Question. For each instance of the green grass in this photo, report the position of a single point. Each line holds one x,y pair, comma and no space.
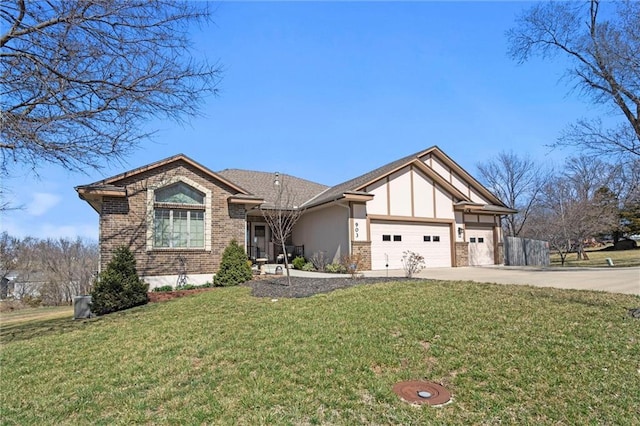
598,258
508,354
35,314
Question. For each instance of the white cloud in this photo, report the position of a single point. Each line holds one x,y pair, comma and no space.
22,229
69,231
41,203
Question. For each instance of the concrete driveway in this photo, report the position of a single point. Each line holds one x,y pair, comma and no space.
614,280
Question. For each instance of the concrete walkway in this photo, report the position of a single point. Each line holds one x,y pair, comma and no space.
614,280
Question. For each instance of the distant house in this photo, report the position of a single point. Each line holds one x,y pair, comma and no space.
176,211
20,284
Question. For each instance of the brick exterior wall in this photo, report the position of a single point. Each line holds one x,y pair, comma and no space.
124,221
363,248
462,254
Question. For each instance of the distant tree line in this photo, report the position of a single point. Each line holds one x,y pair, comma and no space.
585,198
46,271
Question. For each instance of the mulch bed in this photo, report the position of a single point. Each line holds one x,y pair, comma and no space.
163,296
277,287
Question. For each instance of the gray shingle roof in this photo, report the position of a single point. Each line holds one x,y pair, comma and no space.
261,184
356,184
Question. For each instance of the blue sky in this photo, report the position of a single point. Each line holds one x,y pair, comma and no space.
329,90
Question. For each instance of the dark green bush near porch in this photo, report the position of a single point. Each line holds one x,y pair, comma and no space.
234,268
119,286
163,288
298,262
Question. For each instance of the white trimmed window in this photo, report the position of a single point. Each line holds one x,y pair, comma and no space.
179,217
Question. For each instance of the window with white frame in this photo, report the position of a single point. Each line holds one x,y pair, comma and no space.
178,217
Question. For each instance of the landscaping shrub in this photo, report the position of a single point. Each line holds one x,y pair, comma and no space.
234,268
319,260
335,268
352,264
308,267
412,263
163,288
298,262
119,287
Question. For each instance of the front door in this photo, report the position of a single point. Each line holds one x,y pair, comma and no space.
259,240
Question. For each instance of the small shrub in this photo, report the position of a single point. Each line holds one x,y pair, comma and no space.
308,267
32,301
319,260
188,287
163,288
335,268
298,262
412,263
234,268
352,264
119,286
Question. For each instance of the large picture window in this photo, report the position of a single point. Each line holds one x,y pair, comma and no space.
179,217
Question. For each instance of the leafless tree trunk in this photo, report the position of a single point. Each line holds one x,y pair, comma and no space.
56,270
282,215
517,181
79,78
604,50
574,206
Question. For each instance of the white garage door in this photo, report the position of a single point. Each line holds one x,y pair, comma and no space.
480,246
390,239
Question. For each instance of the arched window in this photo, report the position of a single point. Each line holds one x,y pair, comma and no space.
178,217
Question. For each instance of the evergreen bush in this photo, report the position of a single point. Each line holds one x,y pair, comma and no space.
298,262
234,268
119,286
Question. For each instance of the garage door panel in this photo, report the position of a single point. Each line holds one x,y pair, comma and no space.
481,247
389,241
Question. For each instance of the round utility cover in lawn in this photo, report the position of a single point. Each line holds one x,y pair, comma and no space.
421,392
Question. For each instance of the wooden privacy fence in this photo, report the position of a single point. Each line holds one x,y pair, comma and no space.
525,252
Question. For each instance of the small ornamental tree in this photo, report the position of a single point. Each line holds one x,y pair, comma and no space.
119,286
412,263
234,268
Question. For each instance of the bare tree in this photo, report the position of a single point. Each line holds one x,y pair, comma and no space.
517,181
55,270
8,259
604,50
574,206
282,215
624,188
69,268
79,78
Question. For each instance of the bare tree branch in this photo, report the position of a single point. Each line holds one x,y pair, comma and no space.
605,57
79,79
517,181
282,215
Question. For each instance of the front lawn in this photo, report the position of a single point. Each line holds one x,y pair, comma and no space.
598,258
508,354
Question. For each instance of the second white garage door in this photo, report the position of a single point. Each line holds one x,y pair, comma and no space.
390,239
480,246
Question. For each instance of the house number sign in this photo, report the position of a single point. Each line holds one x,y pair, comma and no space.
356,230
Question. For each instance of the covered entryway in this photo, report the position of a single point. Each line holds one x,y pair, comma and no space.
481,246
390,239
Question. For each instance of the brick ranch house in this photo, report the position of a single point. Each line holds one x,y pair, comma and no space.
178,210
